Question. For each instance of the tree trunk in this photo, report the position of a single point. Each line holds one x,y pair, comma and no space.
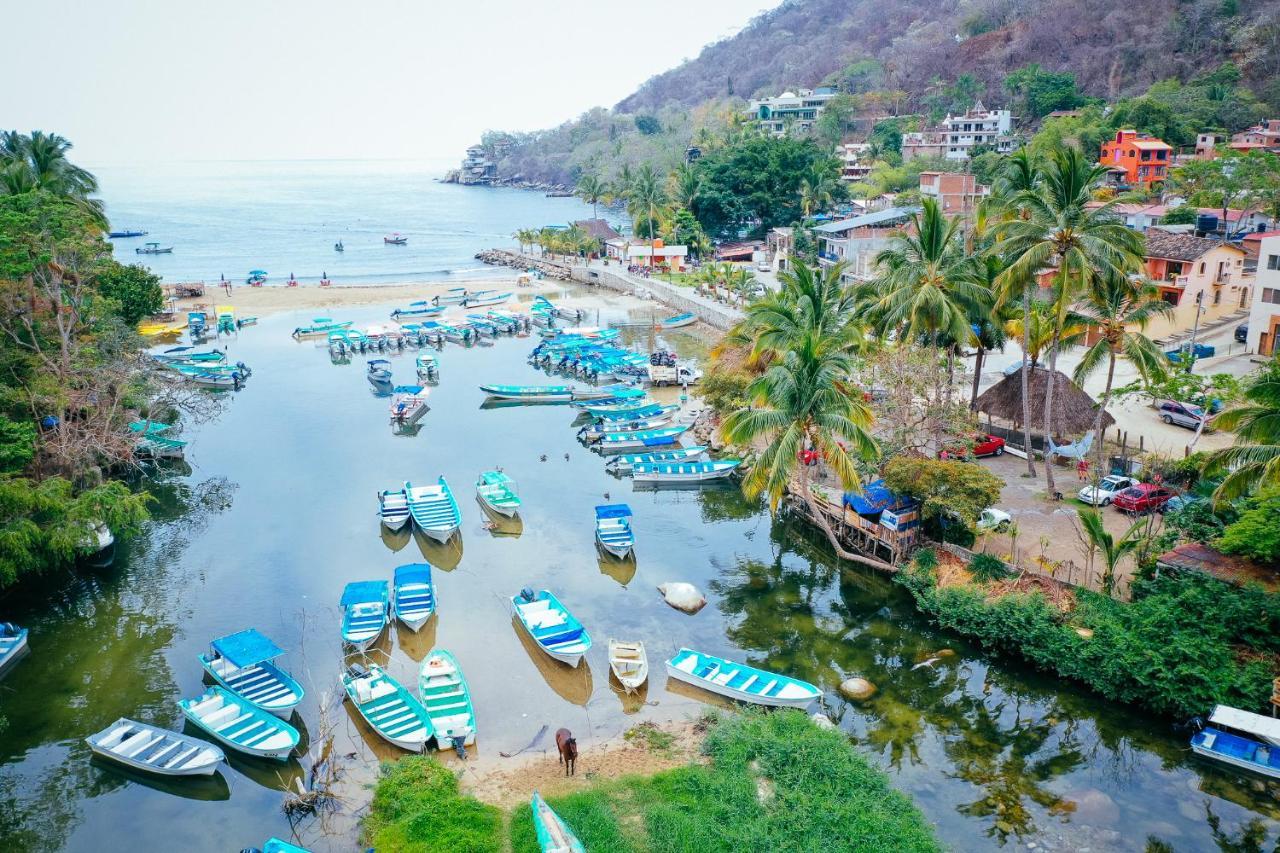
821,518
1049,483
1102,407
977,375
1026,370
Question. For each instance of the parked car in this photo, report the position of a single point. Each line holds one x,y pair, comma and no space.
1178,502
1200,351
1011,369
1242,333
1183,414
980,445
1144,497
1106,490
993,519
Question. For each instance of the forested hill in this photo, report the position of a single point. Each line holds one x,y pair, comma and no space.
1115,49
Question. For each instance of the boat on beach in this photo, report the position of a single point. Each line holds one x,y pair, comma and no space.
620,442
393,508
417,309
684,472
434,510
364,612
321,327
1242,739
241,725
13,645
486,297
386,705
154,249
554,835
452,296
678,321
613,529
408,404
445,694
629,663
556,631
739,681
243,663
415,595
155,750
497,491
623,464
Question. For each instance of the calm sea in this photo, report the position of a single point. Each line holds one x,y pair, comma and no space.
226,218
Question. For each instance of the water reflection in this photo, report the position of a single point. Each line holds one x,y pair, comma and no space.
441,555
396,539
622,571
418,644
572,684
209,788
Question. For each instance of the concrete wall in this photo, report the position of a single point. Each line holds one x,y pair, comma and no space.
680,298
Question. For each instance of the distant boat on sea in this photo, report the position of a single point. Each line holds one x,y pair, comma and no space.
338,247
395,240
122,235
154,249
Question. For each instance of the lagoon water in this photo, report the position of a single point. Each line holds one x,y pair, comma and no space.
275,511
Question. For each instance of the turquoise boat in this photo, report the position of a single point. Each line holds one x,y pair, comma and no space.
677,321
623,464
554,835
364,612
321,327
447,698
417,309
388,707
530,393
434,510
498,492
684,472
241,725
620,442
242,663
13,645
611,415
613,529
556,631
415,594
739,681
276,845
152,443
620,406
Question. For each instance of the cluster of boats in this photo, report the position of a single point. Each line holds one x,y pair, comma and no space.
208,368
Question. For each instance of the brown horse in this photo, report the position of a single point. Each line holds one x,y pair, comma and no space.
568,746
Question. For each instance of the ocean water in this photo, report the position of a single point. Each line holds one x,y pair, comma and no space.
226,218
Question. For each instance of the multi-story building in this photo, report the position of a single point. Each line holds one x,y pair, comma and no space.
926,143
978,126
1264,311
855,164
1143,159
1265,136
856,241
795,110
1195,275
957,194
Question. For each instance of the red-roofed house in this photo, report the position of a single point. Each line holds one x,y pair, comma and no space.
1195,275
1144,159
1265,136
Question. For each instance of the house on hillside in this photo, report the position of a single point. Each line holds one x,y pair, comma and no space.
1265,136
856,241
928,143
1139,217
1143,159
978,126
781,244
1264,311
1195,275
855,162
797,110
957,194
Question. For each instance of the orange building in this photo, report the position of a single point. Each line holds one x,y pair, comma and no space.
1144,159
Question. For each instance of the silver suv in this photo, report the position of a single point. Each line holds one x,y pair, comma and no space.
1182,414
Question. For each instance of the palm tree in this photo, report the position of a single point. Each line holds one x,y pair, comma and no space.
1254,460
816,190
686,185
1038,332
620,186
39,162
1059,230
988,319
1112,550
591,189
1120,309
811,300
645,197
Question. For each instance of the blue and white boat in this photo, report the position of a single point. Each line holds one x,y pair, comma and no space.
635,413
155,750
386,705
445,694
739,681
393,508
677,321
452,296
13,645
427,365
591,432
408,404
241,725
415,595
621,442
623,464
242,663
417,309
684,472
530,393
613,529
498,492
1242,739
556,631
364,612
434,510
486,297
379,370
554,835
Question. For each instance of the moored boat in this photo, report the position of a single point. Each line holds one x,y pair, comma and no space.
393,508
677,321
452,296
622,407
386,705
622,464
498,492
620,442
241,725
415,595
13,645
556,631
486,297
120,235
591,432
683,472
321,327
417,309
243,663
154,249
628,662
633,413
155,750
613,529
434,510
395,239
739,681
364,612
427,365
1241,739
445,694
277,845
554,835
408,404
379,370
530,393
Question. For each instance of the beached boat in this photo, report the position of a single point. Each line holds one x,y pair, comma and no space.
154,249
677,321
417,309
364,612
530,393
620,442
498,492
13,645
623,464
556,631
408,404
226,319
320,327
591,432
241,725
393,508
155,750
739,681
120,235
242,663
386,705
684,472
554,835
486,297
415,595
379,370
613,529
447,698
629,663
427,365
434,510
152,443
1242,739
452,296
395,240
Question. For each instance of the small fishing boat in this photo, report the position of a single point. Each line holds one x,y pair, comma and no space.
629,663
256,278
13,645
739,681
591,432
154,249
556,631
620,442
554,835
242,663
206,379
393,508
246,321
1242,739
415,595
180,355
530,393
364,612
623,464
486,297
498,492
120,235
408,404
434,510
156,750
379,370
276,845
636,413
613,529
677,321
622,407
241,725
226,319
452,296
338,247
683,472
321,327
388,707
395,240
417,309
427,365
152,443
608,392
447,698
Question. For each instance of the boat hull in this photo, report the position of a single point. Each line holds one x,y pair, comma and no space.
806,693
567,644
275,742
1227,749
16,652
204,757
444,693
389,709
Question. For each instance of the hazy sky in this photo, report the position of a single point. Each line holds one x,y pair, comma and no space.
130,80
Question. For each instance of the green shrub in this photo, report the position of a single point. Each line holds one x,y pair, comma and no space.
927,559
986,567
417,808
1256,534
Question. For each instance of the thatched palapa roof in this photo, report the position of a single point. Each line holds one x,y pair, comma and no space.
1073,414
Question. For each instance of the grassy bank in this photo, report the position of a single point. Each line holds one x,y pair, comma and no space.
773,782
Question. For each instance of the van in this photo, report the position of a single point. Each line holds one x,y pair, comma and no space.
1181,414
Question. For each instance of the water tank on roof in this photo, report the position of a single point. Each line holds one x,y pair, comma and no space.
1206,223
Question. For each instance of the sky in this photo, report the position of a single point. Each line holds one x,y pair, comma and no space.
136,81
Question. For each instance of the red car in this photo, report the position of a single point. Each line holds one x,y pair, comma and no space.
982,445
1144,497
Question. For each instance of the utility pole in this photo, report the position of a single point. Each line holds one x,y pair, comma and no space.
1195,329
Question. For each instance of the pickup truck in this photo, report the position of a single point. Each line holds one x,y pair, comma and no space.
660,375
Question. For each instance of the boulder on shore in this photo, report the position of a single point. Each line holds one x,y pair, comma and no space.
822,721
857,688
683,596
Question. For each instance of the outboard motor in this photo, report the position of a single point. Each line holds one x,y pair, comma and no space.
527,595
460,747
357,670
8,629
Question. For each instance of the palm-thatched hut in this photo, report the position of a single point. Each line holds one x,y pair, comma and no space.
1074,411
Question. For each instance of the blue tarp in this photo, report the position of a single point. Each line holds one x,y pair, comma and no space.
875,498
245,648
413,573
613,511
363,592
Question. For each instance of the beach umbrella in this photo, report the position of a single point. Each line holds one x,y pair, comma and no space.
257,272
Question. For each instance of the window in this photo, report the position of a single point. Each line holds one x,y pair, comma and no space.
1202,268
1273,262
1217,296
1271,295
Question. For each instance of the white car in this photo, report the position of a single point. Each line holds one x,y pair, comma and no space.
993,519
1106,490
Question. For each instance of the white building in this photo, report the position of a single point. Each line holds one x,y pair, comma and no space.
978,126
1264,311
855,165
798,110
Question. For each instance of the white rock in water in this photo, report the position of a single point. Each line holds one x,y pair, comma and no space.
683,596
822,721
857,688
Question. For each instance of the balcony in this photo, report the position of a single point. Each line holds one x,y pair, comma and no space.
832,257
1223,278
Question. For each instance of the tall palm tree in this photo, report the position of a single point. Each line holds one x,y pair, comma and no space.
620,186
810,300
645,198
592,189
1060,230
816,190
686,185
1120,309
38,161
1254,460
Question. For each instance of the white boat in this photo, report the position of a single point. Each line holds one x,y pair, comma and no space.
613,529
623,464
447,698
364,612
683,472
739,681
556,631
428,365
13,645
677,321
434,510
241,725
643,440
243,663
498,492
452,296
393,508
629,663
1241,739
408,404
415,595
485,297
156,750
